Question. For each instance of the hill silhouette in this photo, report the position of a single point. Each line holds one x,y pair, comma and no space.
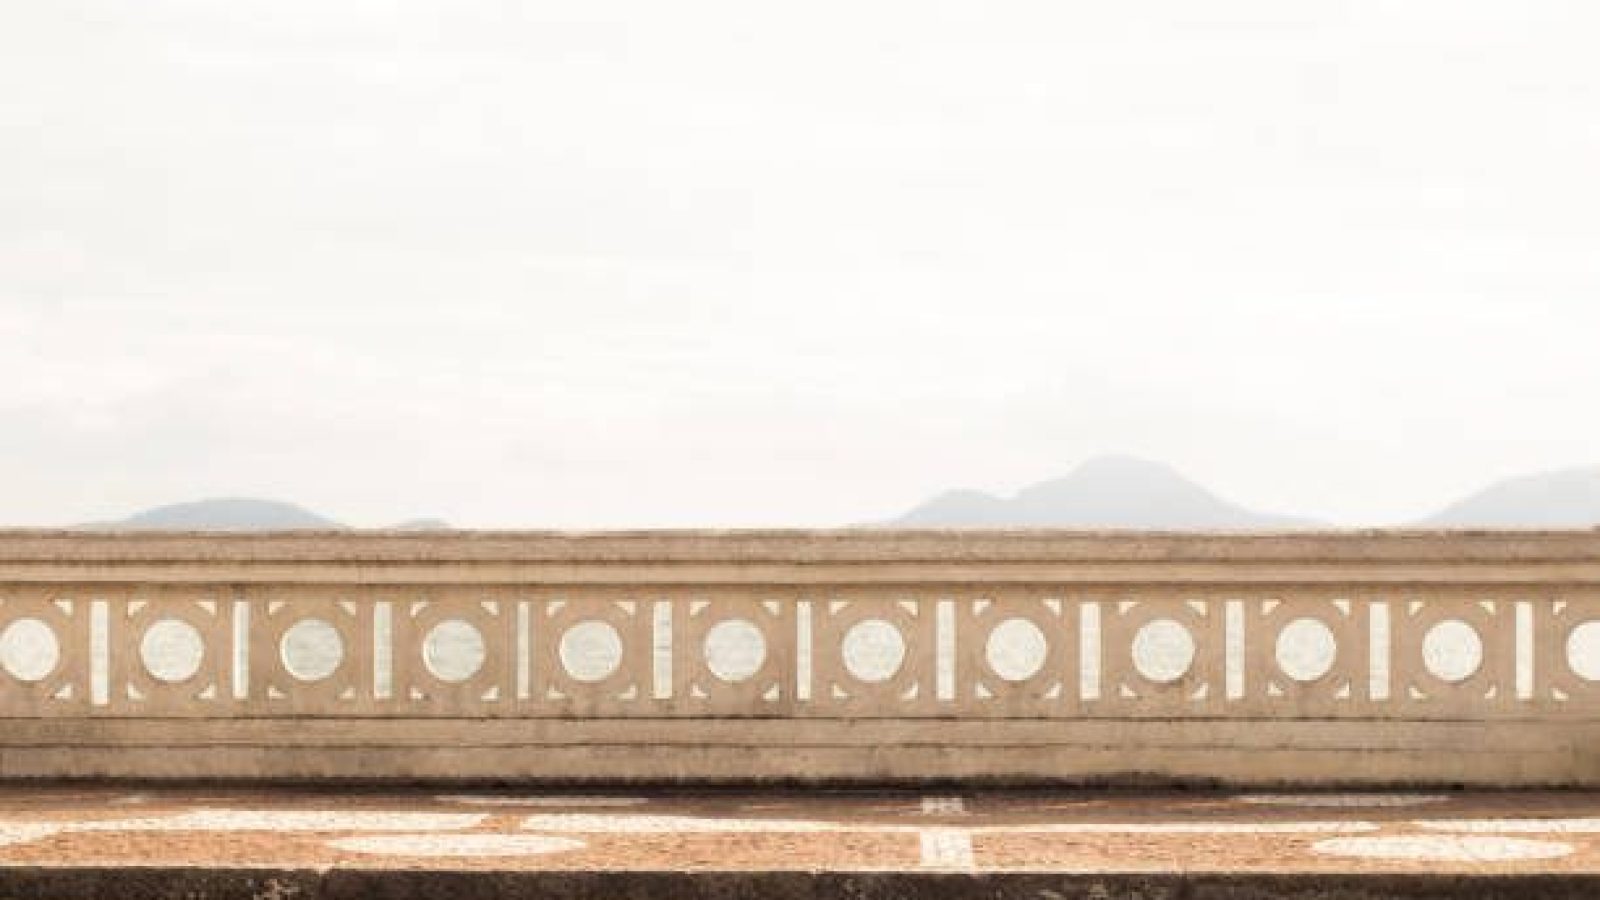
1105,492
241,514
223,514
1565,498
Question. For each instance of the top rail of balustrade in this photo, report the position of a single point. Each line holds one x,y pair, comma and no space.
804,556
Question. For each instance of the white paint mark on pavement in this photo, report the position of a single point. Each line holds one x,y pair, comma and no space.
599,823
23,832
288,820
1514,826
946,848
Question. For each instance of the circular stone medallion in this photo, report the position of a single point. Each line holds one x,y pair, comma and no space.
735,650
29,650
1016,649
311,650
1452,651
1306,650
1583,651
591,651
1163,650
172,650
873,650
453,651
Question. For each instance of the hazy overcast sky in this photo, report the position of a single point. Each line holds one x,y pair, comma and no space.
742,263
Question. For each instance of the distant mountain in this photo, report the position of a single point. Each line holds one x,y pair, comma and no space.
1106,492
421,525
1568,498
243,514
224,514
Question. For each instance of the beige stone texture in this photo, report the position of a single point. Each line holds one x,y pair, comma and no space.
866,655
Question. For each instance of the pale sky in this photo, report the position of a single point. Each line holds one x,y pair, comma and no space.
601,264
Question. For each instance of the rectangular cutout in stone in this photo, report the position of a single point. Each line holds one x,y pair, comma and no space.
1089,651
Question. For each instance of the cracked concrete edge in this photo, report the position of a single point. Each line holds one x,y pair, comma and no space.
167,883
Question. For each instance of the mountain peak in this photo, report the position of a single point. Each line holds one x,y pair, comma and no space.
226,514
1113,491
426,524
243,514
1563,498
1127,473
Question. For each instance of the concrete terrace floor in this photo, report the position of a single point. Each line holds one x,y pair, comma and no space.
130,841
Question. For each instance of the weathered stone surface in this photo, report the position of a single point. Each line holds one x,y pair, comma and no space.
1365,658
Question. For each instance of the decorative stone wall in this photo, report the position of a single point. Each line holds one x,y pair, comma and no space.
1296,658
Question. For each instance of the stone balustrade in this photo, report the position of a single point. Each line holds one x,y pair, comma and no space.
1315,658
